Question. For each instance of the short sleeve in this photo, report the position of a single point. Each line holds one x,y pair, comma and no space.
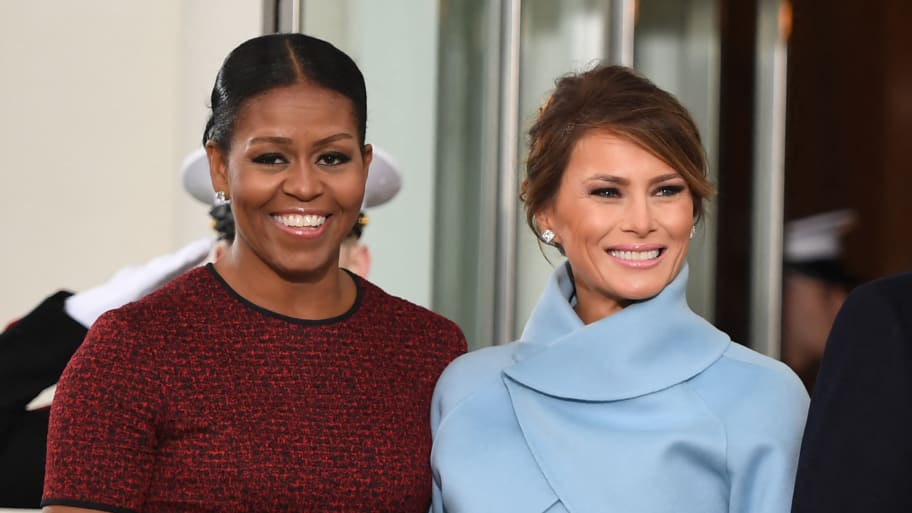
102,433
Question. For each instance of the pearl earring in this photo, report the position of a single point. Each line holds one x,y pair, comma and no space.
547,236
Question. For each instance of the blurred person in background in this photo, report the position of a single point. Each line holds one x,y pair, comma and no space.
815,284
383,183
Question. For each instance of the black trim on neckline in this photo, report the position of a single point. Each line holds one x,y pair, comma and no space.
359,296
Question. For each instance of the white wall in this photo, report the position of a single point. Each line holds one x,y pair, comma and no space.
99,102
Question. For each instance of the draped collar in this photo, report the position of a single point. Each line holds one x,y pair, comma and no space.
646,347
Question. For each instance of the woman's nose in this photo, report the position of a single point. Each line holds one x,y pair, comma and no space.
302,181
638,217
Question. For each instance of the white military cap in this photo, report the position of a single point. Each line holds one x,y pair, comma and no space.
383,178
818,237
195,176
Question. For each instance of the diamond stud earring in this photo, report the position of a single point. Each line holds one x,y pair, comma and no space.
547,236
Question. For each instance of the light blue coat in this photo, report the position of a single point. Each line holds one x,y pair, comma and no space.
648,410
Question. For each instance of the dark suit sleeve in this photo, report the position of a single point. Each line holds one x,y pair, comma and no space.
856,455
34,350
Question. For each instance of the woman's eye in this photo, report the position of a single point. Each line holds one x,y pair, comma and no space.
333,159
272,159
607,192
669,190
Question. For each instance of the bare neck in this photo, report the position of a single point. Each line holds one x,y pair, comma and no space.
322,294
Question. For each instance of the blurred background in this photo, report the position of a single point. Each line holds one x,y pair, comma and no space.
804,106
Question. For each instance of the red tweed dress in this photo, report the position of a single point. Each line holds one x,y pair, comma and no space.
194,399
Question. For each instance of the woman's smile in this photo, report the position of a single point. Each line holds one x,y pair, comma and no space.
303,226
637,256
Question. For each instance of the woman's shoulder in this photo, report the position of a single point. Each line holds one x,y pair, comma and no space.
743,369
193,287
759,365
747,389
163,310
471,373
406,314
486,361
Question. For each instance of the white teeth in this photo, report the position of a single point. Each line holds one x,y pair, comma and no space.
635,255
300,221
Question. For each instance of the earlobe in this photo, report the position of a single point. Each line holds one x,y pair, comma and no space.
543,224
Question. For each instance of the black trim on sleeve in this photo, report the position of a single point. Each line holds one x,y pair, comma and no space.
85,504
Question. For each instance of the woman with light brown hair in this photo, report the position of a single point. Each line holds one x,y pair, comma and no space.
617,397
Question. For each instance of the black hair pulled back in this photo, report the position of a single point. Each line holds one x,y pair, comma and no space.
267,62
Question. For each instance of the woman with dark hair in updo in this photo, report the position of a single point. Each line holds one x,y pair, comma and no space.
617,397
271,380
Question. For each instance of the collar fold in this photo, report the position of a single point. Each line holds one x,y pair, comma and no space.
645,347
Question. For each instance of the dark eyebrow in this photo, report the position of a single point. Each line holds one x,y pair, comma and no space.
287,140
269,139
665,178
623,181
610,178
333,138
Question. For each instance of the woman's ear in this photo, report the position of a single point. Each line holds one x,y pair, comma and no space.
543,222
218,167
368,156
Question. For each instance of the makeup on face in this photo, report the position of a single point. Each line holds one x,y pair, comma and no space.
623,217
296,176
